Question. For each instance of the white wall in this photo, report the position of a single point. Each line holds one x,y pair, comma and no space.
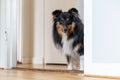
37,31
80,6
26,27
32,31
106,31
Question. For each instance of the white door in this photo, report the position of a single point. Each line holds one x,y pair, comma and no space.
52,55
102,37
8,33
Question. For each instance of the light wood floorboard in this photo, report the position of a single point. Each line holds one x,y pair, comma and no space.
42,75
40,66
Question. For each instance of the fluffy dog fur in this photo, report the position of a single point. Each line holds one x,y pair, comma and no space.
68,35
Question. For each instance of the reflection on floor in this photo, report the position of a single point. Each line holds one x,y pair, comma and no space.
42,75
40,66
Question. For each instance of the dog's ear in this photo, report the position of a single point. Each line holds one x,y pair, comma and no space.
74,12
56,13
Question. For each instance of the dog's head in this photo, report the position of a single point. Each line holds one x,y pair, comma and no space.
65,21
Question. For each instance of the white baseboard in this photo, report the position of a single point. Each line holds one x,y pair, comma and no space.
37,60
30,60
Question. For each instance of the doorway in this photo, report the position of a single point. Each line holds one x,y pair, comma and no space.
35,46
32,36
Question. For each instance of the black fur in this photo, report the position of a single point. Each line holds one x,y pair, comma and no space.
78,32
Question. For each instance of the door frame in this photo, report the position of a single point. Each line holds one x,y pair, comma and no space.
8,34
108,69
19,32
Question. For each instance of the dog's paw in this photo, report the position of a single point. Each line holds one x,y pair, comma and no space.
70,67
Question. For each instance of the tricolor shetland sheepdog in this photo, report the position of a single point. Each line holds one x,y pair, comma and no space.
68,35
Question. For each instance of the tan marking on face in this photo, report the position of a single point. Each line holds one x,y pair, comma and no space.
60,29
70,28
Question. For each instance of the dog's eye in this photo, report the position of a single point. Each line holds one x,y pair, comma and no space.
62,19
67,19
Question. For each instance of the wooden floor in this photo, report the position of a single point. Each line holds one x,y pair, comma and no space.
40,66
42,75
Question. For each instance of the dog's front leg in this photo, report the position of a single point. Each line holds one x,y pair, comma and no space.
69,60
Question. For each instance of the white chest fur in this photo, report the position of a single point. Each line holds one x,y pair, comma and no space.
67,49
67,45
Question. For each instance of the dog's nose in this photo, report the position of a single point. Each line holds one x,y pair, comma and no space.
65,30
